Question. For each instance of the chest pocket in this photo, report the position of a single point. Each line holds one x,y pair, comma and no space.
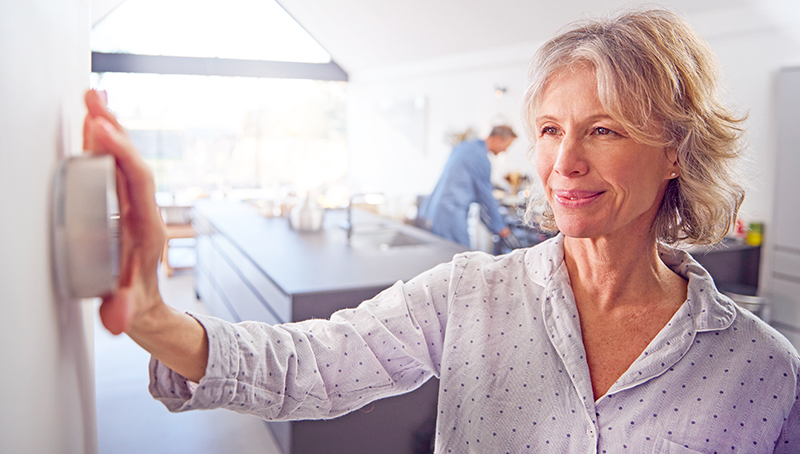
664,446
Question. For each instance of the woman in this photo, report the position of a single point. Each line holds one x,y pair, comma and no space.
603,339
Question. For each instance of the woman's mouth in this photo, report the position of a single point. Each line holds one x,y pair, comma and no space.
575,198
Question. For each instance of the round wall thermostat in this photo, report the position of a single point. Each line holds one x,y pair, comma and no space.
85,226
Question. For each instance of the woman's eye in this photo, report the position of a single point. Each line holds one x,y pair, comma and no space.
601,131
549,131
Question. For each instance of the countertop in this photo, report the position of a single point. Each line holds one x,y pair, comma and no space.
302,263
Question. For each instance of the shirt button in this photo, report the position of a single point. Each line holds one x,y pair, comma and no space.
590,432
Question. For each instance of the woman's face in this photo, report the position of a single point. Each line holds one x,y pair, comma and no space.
597,179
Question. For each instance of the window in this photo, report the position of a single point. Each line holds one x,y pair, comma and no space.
209,134
233,29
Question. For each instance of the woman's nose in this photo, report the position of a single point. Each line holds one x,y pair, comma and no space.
570,161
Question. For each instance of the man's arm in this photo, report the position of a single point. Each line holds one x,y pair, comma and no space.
480,171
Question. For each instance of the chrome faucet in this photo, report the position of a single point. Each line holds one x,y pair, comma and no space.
348,224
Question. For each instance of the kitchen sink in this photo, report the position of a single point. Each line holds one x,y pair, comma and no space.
383,239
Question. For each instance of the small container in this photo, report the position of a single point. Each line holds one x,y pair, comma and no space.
307,216
755,234
741,231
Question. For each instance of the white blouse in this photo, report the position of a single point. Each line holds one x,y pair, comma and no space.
503,335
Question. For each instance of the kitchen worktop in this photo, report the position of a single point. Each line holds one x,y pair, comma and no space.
322,261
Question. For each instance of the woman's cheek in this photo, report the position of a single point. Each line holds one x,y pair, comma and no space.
543,164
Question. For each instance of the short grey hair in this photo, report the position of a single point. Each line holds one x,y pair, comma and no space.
657,77
503,131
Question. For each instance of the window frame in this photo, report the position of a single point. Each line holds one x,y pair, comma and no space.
157,64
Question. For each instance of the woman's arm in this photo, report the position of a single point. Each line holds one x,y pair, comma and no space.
319,369
174,338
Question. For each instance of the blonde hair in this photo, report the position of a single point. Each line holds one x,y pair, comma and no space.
658,78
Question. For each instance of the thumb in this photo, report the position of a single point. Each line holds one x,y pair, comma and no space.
116,312
118,309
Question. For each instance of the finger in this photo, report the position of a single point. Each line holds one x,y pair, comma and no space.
118,309
112,141
88,140
141,223
96,103
137,177
103,133
126,236
122,194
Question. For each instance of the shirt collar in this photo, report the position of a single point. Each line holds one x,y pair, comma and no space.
710,310
542,260
705,309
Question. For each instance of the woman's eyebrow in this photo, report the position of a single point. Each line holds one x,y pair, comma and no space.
543,119
590,118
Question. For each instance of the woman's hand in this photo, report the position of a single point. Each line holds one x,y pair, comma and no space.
141,228
136,307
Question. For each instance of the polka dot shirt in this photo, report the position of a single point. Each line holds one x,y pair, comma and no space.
503,335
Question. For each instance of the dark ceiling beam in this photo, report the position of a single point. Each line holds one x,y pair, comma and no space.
156,64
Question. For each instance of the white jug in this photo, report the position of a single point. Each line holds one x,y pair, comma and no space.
307,216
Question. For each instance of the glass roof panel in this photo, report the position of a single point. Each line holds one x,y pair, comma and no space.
237,29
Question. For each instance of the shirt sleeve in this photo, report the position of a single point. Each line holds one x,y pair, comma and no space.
480,168
789,439
318,369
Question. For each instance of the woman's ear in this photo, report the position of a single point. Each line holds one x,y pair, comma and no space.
673,169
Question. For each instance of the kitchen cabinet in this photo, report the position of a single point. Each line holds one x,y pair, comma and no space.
734,265
784,266
251,267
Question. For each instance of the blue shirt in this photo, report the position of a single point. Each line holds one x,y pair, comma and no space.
465,179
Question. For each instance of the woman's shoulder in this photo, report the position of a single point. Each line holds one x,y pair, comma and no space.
536,261
517,256
763,339
479,261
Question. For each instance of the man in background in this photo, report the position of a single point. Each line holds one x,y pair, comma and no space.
466,180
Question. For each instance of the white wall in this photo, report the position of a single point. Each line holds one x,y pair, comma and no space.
460,93
752,43
47,384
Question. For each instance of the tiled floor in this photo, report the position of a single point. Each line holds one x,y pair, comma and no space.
129,421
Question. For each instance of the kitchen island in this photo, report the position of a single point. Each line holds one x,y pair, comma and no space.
251,267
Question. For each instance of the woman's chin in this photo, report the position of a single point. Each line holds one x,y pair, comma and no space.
573,229
578,233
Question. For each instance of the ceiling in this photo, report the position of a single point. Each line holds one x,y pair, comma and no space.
369,34
363,34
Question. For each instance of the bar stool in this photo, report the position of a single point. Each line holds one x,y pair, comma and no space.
177,225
